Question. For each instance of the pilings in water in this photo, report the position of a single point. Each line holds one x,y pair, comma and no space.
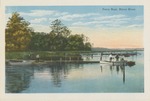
125,53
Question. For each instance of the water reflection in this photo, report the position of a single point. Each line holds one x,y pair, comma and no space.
18,79
58,72
118,69
63,77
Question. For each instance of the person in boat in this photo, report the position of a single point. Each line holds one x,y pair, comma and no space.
122,58
117,57
110,57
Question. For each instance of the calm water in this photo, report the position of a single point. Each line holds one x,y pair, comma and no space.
77,78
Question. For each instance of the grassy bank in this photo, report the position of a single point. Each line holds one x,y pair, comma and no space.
44,55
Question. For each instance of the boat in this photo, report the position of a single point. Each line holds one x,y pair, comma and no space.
20,62
130,63
114,62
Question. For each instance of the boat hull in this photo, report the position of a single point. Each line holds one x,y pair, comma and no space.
114,62
11,63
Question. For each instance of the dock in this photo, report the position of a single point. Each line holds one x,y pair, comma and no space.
47,62
73,61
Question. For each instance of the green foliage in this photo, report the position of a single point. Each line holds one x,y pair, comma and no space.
59,29
17,33
59,39
75,42
20,37
39,41
60,34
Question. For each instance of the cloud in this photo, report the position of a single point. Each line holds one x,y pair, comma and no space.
79,19
82,19
40,28
38,13
80,23
61,13
41,13
109,17
113,19
70,17
105,21
138,18
38,20
135,26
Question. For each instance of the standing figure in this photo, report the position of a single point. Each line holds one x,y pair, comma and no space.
101,54
117,57
122,58
38,57
110,57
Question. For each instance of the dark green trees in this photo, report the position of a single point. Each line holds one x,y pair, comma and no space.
39,41
20,37
63,40
75,42
59,34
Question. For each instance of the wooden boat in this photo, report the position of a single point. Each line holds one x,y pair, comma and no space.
130,63
113,62
23,62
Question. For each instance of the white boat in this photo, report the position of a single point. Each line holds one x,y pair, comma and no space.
113,62
105,62
20,62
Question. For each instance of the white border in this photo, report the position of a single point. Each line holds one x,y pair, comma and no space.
77,96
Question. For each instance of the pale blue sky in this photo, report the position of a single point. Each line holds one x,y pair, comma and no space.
89,20
81,15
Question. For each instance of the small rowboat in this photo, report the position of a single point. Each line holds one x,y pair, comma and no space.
113,62
23,62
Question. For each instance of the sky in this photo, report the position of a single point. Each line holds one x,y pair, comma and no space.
105,26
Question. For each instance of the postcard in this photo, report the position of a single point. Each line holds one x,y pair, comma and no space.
65,51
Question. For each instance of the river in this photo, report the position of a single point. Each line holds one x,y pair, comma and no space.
77,78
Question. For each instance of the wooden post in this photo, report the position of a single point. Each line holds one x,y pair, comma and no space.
101,56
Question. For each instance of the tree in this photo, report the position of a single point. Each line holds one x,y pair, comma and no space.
18,33
39,41
61,38
20,37
59,29
75,42
78,42
60,33
87,46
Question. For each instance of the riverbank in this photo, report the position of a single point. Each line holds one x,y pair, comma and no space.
51,57
10,63
43,55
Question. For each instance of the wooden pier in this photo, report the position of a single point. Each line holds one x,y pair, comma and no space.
47,62
74,61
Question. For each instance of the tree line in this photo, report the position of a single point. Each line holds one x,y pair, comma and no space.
20,37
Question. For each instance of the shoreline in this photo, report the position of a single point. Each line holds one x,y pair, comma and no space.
35,62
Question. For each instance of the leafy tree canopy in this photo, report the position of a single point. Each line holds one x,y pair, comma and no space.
18,33
20,37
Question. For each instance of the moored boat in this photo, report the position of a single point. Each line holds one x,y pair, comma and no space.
21,62
113,62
